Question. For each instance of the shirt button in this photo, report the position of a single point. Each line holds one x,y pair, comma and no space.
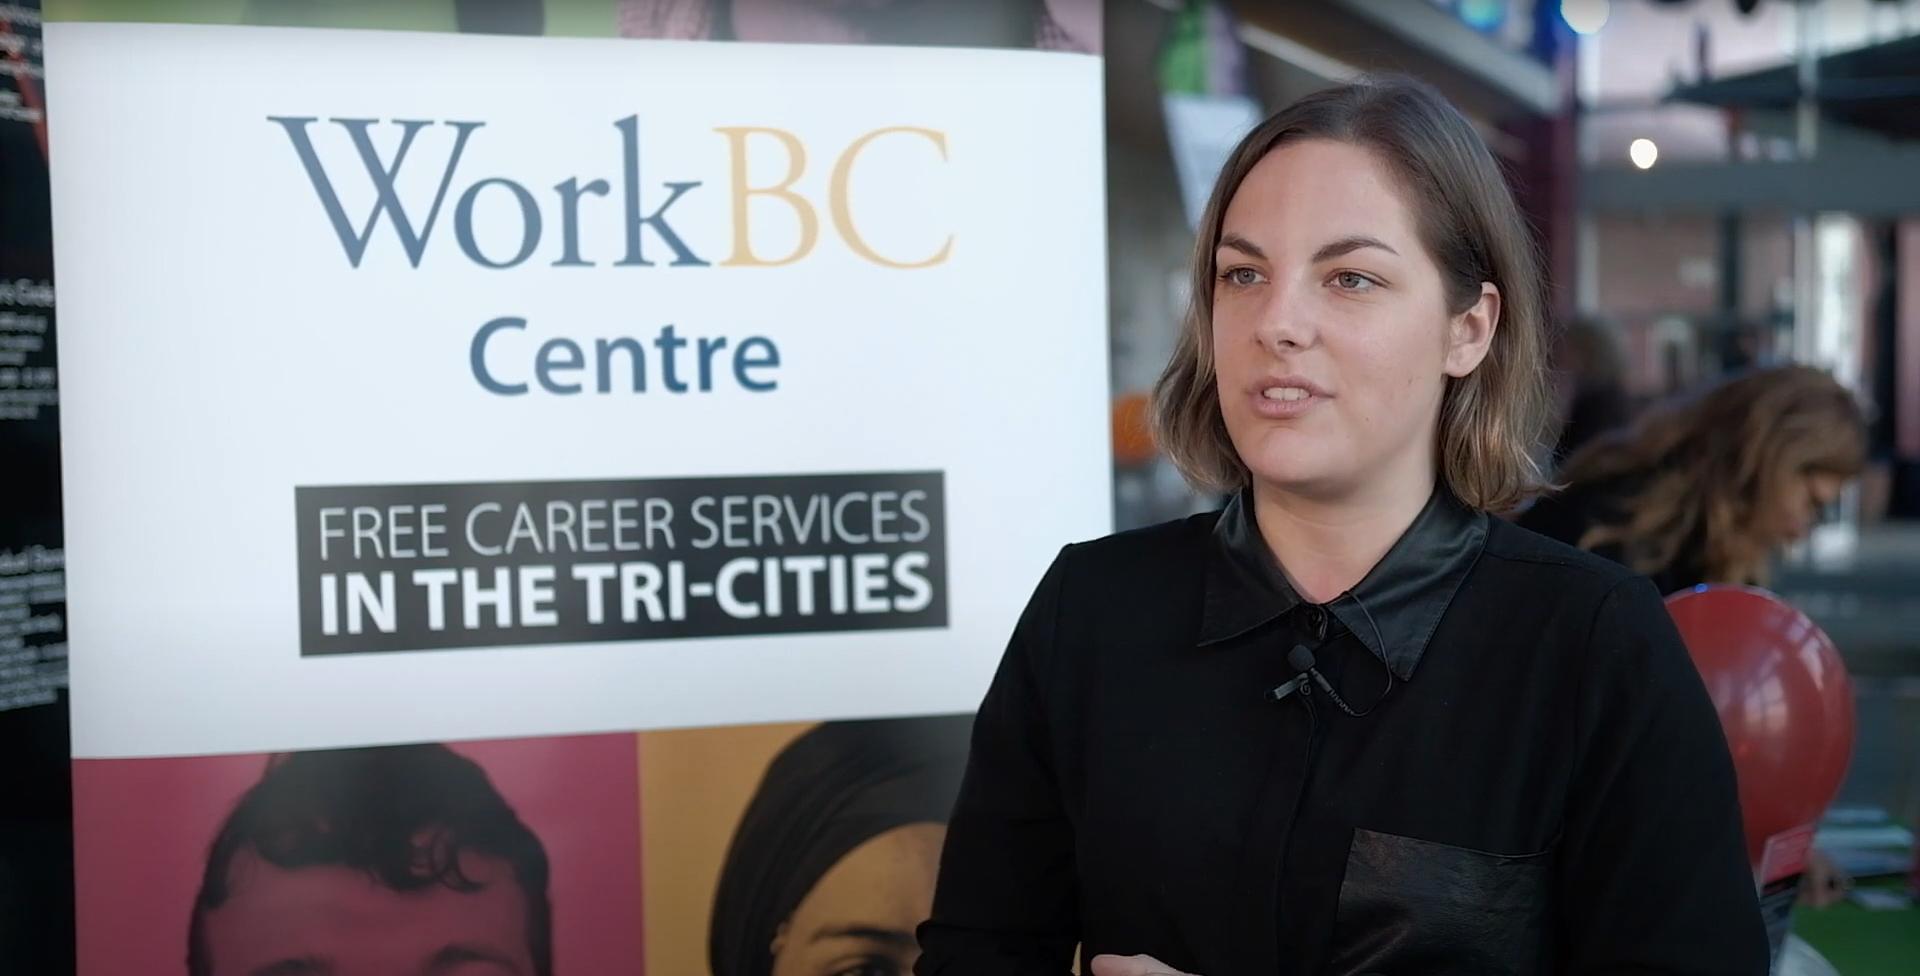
1317,621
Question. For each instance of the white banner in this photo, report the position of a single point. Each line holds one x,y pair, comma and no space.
430,387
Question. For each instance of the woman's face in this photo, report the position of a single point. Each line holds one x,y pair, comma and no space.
860,917
1332,340
1797,501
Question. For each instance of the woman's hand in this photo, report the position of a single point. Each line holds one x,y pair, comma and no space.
1133,966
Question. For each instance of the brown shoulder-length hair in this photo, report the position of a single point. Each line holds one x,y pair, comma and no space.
1704,470
1492,420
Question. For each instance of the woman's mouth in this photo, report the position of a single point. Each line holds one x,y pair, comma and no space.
1286,398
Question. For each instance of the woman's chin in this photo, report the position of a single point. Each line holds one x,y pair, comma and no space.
1279,452
1295,476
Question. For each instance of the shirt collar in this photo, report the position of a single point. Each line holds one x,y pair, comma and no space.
1393,611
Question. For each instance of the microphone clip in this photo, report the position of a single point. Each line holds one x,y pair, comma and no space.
1301,658
1280,692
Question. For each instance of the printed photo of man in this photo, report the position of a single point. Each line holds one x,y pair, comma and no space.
386,861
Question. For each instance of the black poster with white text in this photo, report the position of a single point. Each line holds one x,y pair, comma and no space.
418,567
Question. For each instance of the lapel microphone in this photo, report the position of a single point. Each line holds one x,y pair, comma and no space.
1301,659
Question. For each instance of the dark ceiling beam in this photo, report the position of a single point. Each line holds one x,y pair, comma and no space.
1388,36
1869,184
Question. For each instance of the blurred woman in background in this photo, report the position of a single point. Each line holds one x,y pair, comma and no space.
1707,490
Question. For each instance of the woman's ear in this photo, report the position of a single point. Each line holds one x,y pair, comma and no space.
1470,333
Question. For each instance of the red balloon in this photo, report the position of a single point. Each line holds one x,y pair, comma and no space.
1784,699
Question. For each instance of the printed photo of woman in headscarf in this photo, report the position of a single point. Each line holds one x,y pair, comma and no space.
830,867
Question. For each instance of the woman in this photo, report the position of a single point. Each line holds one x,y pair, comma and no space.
833,863
1351,723
1706,490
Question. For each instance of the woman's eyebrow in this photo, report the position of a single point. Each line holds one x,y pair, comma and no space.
1243,245
1348,245
1327,252
892,938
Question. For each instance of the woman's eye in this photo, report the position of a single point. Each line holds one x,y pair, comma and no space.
1353,281
1241,277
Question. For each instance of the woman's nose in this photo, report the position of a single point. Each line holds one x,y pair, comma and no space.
1286,322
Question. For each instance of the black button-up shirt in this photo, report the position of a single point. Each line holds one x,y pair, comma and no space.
1535,780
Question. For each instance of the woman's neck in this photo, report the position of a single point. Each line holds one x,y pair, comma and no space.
1326,546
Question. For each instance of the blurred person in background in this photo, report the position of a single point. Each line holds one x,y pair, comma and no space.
1591,372
1708,489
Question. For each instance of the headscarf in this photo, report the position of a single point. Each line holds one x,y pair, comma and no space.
833,789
